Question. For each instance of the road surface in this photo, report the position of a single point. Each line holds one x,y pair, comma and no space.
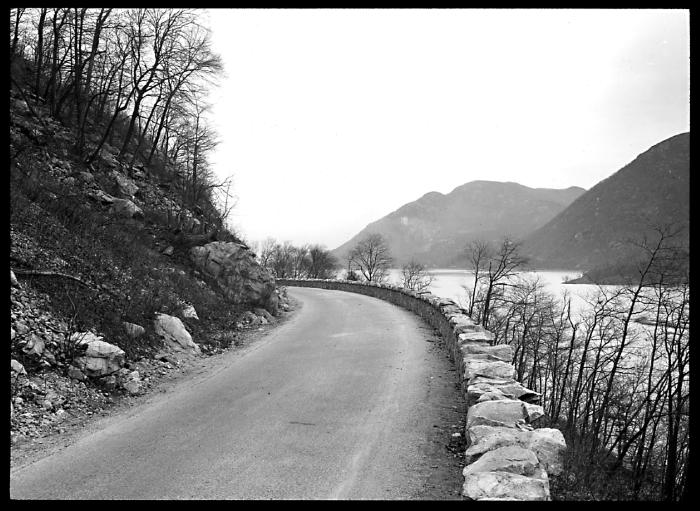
352,398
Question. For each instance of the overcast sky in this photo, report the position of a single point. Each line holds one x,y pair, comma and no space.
331,119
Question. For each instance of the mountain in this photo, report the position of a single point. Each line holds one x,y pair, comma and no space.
435,228
593,231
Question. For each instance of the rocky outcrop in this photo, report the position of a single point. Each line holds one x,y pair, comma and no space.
174,334
233,268
507,457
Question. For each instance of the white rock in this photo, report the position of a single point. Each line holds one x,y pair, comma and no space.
509,458
17,367
504,412
174,333
504,485
99,358
35,345
548,444
488,368
188,311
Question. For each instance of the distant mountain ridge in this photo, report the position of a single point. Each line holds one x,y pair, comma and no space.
593,231
435,228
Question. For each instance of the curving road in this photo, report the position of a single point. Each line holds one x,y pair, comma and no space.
346,400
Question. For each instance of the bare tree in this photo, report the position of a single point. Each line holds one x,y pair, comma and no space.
492,271
478,252
372,258
415,277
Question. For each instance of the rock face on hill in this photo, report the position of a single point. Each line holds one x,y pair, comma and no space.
593,231
435,228
233,268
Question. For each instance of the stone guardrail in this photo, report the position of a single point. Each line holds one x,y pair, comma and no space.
507,458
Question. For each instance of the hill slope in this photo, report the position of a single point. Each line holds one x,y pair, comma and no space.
593,231
435,228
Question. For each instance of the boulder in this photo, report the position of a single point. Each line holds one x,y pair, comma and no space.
13,279
504,486
17,367
188,311
546,443
234,269
503,412
99,358
508,458
169,250
488,368
509,389
126,209
549,446
502,352
174,333
35,345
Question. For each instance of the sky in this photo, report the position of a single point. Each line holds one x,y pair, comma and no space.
329,119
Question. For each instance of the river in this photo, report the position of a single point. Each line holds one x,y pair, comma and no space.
448,283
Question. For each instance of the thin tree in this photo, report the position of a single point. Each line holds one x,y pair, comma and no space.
371,256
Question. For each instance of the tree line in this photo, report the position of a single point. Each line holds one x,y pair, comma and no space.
130,82
288,261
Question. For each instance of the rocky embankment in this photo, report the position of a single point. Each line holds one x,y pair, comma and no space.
65,389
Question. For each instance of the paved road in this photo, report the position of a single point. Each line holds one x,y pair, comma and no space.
340,402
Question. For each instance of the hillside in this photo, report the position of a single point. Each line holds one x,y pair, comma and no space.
122,268
435,228
592,232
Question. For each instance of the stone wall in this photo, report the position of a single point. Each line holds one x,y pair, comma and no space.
507,456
